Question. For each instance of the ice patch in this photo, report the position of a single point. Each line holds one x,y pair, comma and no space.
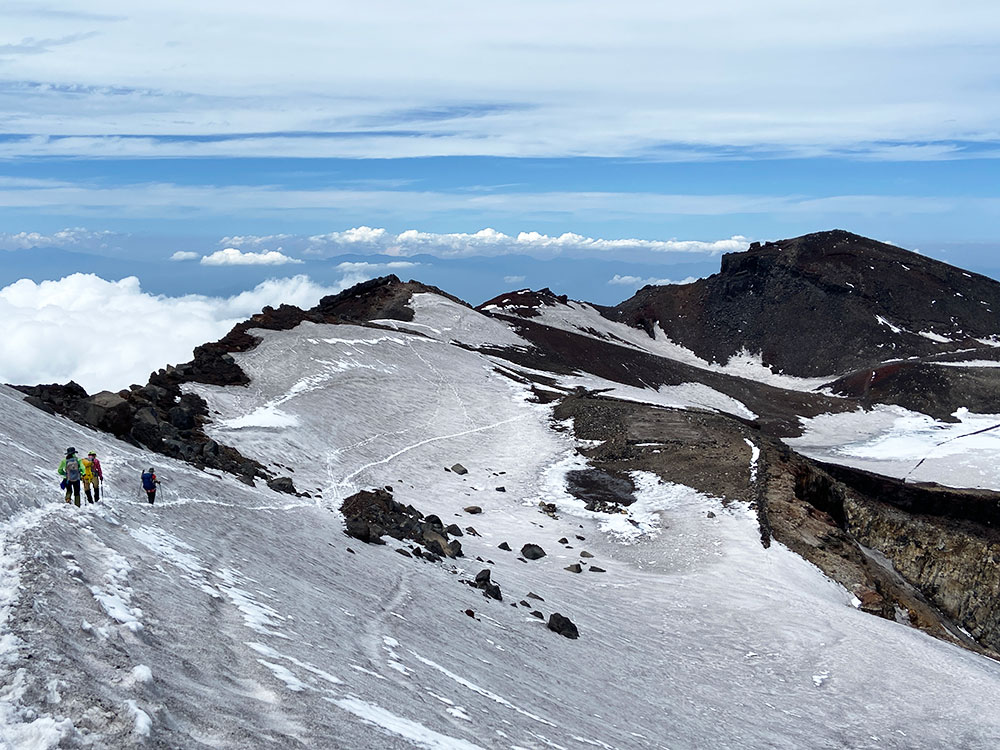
937,337
143,724
684,396
754,456
284,674
265,416
883,322
413,731
481,691
653,497
970,363
900,443
142,673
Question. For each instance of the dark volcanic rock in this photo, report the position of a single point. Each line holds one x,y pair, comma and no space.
562,625
459,469
600,490
490,589
532,552
822,304
282,484
370,514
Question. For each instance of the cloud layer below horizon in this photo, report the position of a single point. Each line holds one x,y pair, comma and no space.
106,335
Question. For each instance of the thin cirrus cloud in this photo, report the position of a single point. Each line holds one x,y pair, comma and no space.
588,83
231,256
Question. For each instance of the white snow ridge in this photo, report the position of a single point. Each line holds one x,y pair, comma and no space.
229,615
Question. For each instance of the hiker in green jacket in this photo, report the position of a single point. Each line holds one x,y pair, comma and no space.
71,471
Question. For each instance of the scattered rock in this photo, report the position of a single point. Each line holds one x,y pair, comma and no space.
524,603
370,515
471,531
459,469
454,530
595,569
564,540
548,509
472,509
533,595
403,552
584,553
282,484
711,514
532,552
574,568
490,589
536,613
470,613
581,538
563,626
504,546
871,601
501,489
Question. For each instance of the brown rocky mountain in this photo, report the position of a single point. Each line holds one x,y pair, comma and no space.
827,303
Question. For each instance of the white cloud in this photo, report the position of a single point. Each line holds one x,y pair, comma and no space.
106,335
184,255
638,281
230,256
355,273
167,200
76,236
513,279
487,241
531,81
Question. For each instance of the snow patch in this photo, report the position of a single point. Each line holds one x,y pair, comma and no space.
900,443
411,730
143,723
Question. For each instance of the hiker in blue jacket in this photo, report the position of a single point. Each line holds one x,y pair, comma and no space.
71,472
149,482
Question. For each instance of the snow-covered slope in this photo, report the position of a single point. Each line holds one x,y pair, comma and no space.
229,616
897,442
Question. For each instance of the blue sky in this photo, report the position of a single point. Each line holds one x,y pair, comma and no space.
605,145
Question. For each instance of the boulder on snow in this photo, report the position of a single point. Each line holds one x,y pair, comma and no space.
574,568
472,509
459,469
490,589
370,514
532,552
107,411
282,484
562,625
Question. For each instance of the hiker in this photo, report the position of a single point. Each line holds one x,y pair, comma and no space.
149,482
92,477
71,472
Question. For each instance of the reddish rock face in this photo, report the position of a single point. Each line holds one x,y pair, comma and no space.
822,304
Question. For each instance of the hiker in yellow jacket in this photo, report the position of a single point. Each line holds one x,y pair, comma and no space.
92,477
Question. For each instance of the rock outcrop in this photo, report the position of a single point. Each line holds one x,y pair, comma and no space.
822,304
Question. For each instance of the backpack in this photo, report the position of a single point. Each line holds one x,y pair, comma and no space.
148,481
72,469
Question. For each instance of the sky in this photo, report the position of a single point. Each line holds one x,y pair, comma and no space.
244,153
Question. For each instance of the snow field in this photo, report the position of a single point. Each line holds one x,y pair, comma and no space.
264,625
896,442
